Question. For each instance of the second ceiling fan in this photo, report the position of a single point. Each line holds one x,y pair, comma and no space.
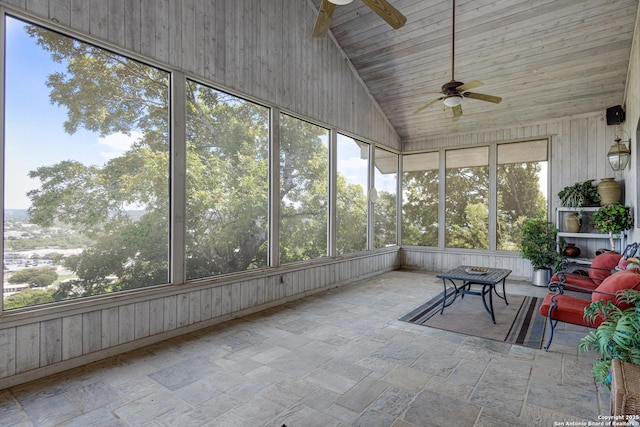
384,10
454,91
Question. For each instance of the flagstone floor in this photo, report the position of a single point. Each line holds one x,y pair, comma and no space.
338,358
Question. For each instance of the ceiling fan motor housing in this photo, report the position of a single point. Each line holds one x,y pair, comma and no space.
451,88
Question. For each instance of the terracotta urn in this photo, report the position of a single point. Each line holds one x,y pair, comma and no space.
571,250
609,191
572,222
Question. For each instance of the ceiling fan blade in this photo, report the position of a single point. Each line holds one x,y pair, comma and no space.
457,110
471,85
323,21
386,12
428,105
483,97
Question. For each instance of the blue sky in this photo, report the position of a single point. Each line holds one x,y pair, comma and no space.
34,128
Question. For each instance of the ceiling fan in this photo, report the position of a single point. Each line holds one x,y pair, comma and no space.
381,7
454,91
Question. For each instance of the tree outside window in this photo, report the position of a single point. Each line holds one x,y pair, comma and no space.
467,198
420,197
386,184
351,211
522,172
87,178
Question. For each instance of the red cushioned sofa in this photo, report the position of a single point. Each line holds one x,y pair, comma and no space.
601,267
560,307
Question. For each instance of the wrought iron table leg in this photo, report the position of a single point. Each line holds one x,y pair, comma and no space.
489,308
445,296
504,293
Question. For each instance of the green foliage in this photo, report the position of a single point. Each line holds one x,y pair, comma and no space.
474,234
29,297
59,241
467,217
579,194
36,277
539,242
420,208
519,197
227,178
466,209
385,220
612,218
618,336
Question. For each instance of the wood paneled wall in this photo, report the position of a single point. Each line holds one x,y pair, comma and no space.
33,346
632,126
262,50
246,46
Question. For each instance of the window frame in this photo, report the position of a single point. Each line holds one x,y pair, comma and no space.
177,176
492,193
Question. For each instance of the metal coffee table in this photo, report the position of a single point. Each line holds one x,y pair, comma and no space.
488,278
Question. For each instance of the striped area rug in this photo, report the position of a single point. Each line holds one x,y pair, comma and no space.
517,323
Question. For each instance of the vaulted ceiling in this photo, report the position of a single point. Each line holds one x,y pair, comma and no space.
544,58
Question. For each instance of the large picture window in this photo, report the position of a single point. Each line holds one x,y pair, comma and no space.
304,189
227,183
420,180
351,211
467,198
86,178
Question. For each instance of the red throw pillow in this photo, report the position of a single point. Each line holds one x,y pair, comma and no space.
619,281
603,264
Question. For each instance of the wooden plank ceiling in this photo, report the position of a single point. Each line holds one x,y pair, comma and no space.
545,58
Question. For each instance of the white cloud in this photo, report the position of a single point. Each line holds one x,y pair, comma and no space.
118,144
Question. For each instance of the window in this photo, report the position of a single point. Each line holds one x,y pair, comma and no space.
351,212
420,180
467,198
86,194
304,189
385,208
227,183
522,172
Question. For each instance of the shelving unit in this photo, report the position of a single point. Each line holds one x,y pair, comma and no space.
588,239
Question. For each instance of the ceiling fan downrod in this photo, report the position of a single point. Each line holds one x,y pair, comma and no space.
453,39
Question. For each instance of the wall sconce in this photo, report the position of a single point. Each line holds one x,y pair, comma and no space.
619,153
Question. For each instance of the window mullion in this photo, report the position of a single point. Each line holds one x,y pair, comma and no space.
178,177
274,187
493,197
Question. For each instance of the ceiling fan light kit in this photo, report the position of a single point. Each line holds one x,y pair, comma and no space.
454,92
340,2
453,100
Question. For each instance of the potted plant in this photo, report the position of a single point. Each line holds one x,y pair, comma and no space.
539,246
618,336
579,194
612,219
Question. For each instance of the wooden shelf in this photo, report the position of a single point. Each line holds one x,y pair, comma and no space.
590,234
585,235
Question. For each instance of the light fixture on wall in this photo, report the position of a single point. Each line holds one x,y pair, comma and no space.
340,2
619,153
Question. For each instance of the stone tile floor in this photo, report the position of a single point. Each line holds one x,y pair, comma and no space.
338,358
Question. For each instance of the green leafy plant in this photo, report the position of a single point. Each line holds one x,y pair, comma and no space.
539,243
579,194
618,336
612,219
